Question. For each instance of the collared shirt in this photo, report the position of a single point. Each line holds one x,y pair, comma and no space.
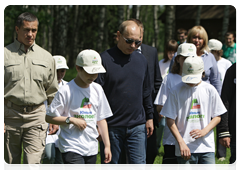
30,77
229,52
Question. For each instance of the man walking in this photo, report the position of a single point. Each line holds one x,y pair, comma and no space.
29,79
126,84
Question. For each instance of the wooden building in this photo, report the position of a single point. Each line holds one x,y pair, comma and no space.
211,18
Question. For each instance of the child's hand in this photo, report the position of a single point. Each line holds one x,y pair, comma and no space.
108,155
80,123
185,151
197,133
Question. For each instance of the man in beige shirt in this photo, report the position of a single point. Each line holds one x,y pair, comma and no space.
29,79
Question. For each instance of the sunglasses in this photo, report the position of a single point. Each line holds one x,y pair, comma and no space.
130,41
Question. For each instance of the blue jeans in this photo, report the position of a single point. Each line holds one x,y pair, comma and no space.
159,131
198,158
132,139
52,155
233,151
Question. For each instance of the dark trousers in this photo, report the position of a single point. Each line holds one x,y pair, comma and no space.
152,150
74,158
169,155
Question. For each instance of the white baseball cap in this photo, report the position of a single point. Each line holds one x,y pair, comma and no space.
60,62
187,49
91,62
192,70
214,44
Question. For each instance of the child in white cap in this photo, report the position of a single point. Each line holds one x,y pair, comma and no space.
172,79
223,64
78,107
61,67
52,154
193,109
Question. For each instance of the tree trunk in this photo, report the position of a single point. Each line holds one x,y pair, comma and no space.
170,22
50,29
55,29
128,12
62,30
225,22
138,12
135,11
156,30
120,14
74,37
198,18
101,28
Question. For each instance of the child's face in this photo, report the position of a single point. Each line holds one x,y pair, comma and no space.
60,74
170,54
86,78
215,54
180,60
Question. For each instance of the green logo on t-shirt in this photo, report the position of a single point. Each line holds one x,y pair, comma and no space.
86,103
195,112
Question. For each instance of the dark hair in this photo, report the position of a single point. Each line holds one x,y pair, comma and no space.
181,30
176,66
229,33
26,16
171,45
219,52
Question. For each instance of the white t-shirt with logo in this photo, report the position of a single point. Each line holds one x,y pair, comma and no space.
88,103
164,67
54,138
223,65
193,108
169,82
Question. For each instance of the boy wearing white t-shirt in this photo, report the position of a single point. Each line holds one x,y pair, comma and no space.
193,109
78,108
52,154
223,64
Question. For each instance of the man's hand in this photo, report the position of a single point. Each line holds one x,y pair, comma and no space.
225,142
53,129
150,128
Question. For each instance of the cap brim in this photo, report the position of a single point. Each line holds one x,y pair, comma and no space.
62,67
95,69
187,54
192,79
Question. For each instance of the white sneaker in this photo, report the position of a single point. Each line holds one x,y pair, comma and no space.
222,159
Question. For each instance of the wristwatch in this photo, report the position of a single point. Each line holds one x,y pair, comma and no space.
68,120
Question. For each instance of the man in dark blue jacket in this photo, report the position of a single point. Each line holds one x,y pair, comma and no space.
126,84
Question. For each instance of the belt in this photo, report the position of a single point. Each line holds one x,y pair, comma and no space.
21,108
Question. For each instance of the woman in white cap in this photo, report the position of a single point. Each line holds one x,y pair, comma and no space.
52,153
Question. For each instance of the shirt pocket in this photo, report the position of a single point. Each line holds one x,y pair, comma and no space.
39,70
13,71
